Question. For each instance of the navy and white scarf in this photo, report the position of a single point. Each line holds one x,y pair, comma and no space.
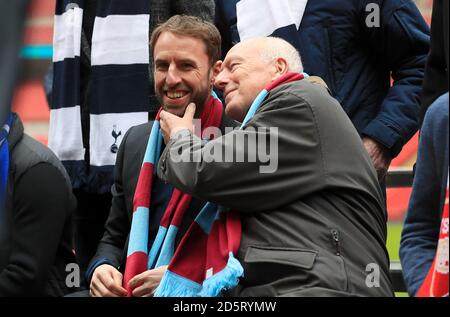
118,93
4,159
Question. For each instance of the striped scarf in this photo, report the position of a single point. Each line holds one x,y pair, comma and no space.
4,159
204,263
139,259
115,102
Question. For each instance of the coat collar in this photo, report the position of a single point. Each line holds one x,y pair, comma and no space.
16,133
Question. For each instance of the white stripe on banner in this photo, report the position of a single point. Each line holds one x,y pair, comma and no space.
64,136
107,131
262,17
121,40
67,34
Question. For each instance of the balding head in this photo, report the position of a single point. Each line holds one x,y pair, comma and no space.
250,66
272,48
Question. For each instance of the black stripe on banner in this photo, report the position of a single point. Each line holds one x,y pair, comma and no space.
119,89
63,5
100,179
66,83
109,7
77,171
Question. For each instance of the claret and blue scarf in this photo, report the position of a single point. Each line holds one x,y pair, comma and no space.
204,263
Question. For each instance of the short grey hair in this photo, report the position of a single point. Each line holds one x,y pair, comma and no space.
274,47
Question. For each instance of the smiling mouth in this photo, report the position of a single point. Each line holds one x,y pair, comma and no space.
176,94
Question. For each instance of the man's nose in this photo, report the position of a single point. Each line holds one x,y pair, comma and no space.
173,77
221,80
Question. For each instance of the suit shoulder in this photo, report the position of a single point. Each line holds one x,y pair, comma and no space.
140,129
138,132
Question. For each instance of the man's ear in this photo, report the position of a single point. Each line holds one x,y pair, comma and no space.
215,71
281,67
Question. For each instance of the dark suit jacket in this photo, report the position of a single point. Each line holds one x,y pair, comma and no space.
112,248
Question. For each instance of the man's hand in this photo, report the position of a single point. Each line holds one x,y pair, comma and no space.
144,284
380,156
107,282
171,124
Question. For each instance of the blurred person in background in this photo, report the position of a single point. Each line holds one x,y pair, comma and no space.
35,222
424,244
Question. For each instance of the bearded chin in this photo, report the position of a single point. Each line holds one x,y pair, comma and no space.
177,112
198,100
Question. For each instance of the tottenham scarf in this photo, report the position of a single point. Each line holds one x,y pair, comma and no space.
204,262
118,92
4,159
437,280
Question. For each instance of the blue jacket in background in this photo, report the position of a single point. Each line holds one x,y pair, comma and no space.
357,61
423,221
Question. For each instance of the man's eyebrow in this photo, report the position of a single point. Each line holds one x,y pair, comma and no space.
187,60
160,61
